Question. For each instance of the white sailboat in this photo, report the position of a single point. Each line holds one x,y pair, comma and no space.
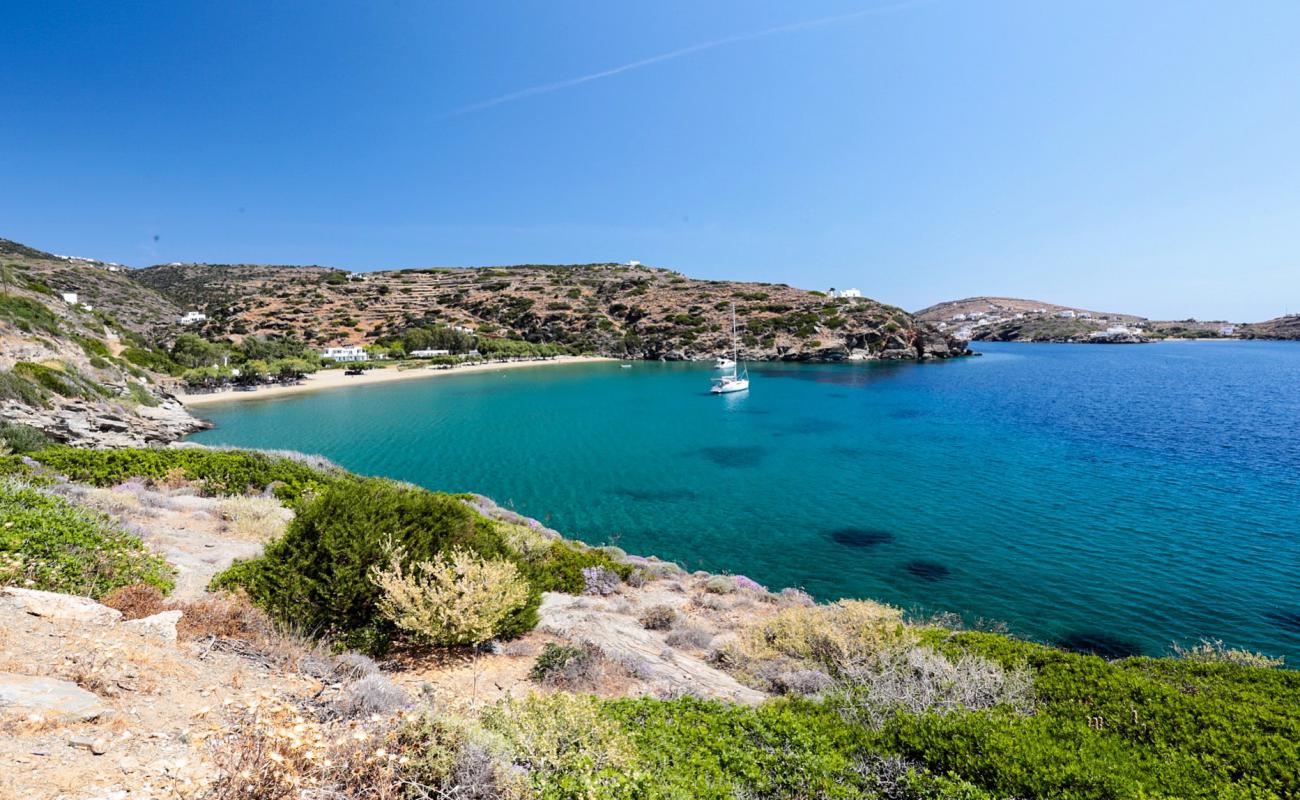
736,381
723,363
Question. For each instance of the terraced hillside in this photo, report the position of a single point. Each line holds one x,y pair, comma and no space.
1009,319
612,309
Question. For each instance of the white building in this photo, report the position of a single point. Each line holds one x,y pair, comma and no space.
192,318
69,297
634,263
345,354
850,293
1067,314
1117,330
1227,330
1085,315
429,353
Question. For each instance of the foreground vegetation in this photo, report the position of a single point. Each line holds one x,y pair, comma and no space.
868,705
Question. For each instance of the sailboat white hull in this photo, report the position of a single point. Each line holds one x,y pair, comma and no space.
723,363
727,386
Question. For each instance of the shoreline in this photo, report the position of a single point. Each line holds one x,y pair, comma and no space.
335,379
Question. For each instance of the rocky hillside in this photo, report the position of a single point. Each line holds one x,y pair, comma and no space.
611,309
1287,327
1008,319
104,287
66,368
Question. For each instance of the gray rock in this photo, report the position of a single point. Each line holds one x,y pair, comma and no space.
60,606
161,625
61,700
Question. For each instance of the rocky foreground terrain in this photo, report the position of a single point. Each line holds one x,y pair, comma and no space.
98,704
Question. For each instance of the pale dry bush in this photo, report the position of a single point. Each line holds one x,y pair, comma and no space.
270,750
111,501
831,638
455,758
1214,651
254,519
918,680
458,600
530,543
370,695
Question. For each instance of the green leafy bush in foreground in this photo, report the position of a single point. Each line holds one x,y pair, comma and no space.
47,543
320,573
20,438
221,472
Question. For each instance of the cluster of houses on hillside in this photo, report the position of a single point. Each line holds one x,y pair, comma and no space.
847,294
964,325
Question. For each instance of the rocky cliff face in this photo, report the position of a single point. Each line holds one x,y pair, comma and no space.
65,366
611,309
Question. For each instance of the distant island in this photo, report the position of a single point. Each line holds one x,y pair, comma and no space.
1009,319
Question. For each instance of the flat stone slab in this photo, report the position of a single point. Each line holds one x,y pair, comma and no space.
49,697
161,625
60,606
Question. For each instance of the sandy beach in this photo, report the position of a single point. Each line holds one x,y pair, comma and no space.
335,378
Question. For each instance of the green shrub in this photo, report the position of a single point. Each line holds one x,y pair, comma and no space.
151,360
64,381
28,314
91,346
318,574
47,543
221,472
15,387
20,438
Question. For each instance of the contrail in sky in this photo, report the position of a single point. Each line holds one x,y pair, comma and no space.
547,88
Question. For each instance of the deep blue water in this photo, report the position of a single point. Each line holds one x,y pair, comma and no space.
1123,497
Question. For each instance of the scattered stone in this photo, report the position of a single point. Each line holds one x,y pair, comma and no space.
62,700
161,625
61,606
95,744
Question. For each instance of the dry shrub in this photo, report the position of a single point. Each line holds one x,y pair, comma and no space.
371,695
720,584
1214,651
689,638
452,757
136,601
658,618
459,600
529,542
226,616
918,680
111,501
254,519
269,750
173,479
831,638
574,668
600,581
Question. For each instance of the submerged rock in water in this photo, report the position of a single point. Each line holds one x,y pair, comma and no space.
737,456
1101,644
1286,618
861,537
927,570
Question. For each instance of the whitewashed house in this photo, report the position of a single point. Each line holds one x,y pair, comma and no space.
1066,314
429,353
1227,330
850,293
69,297
347,354
192,318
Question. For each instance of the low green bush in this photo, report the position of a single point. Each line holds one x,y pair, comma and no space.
14,386
222,472
151,360
65,381
28,314
46,543
20,438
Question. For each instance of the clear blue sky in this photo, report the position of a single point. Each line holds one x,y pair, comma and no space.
1139,157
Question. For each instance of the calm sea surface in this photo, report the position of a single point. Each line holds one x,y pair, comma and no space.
1119,498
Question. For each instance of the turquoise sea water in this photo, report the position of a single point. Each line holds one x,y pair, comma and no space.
1115,498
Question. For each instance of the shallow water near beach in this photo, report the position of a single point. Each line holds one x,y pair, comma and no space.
1115,499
